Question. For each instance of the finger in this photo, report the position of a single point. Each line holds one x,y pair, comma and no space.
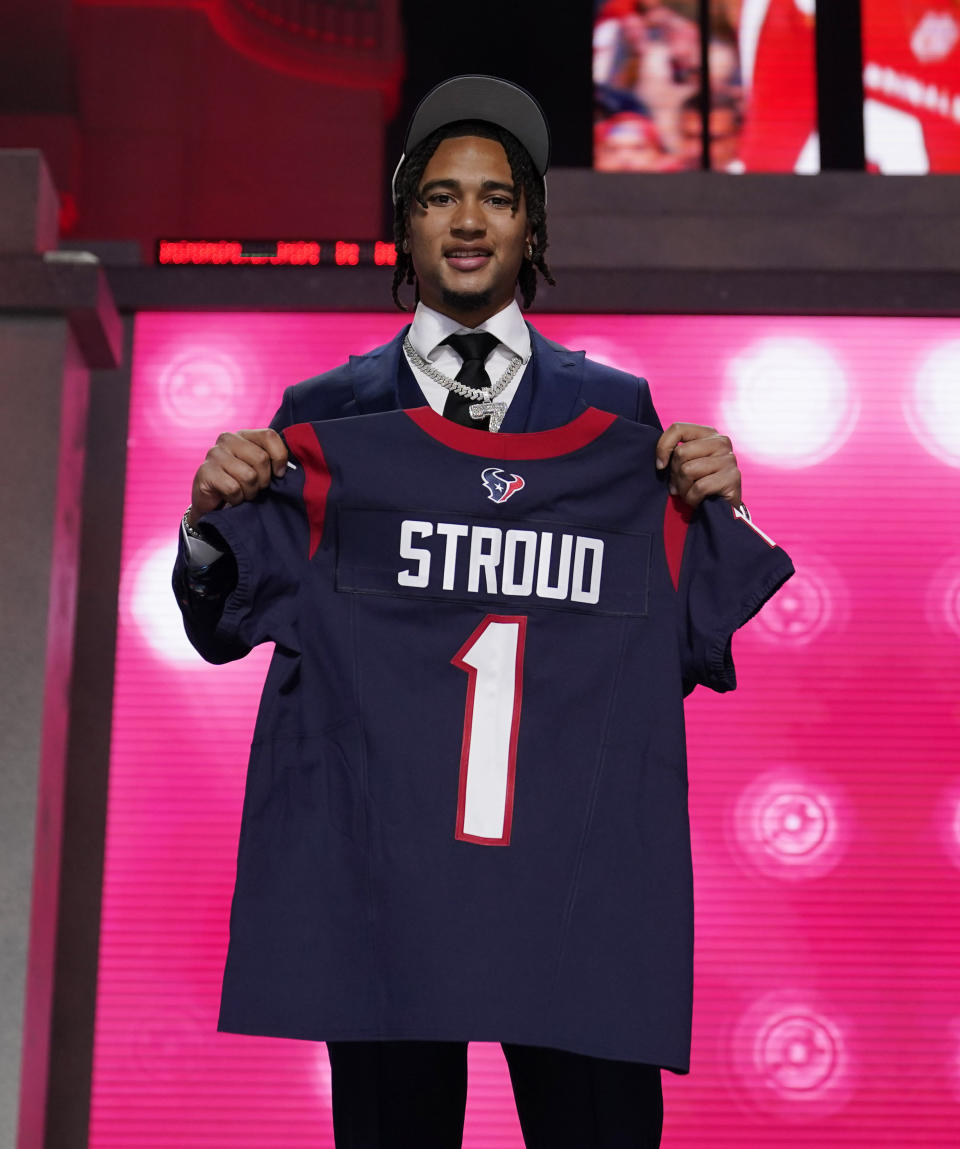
693,489
211,489
708,465
268,440
715,445
233,477
236,468
250,468
231,483
679,433
247,449
666,444
692,466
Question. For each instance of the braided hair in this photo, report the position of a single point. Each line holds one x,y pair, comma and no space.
524,175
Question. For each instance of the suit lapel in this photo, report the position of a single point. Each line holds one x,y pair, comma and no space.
550,396
382,379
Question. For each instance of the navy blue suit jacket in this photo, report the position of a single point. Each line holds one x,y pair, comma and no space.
556,386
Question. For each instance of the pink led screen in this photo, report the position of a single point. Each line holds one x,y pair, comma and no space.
825,792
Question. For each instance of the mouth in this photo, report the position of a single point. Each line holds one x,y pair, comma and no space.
467,258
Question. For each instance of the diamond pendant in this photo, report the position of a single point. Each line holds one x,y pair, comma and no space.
496,411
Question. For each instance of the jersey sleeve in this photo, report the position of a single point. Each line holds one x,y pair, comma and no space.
646,412
284,416
271,541
729,568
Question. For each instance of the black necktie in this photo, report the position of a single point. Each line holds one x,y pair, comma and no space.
473,349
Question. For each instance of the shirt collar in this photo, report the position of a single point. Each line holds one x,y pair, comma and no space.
430,328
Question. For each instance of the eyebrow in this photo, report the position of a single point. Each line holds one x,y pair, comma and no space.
455,185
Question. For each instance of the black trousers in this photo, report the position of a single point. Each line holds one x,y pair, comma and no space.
412,1095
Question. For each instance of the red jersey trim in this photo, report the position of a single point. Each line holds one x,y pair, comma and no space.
676,519
302,441
509,445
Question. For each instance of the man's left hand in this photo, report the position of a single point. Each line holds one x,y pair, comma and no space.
701,462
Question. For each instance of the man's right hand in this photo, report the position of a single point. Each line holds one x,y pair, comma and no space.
237,467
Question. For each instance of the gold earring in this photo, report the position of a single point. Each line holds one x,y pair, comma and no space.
530,251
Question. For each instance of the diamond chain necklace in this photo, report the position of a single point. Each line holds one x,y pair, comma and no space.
477,394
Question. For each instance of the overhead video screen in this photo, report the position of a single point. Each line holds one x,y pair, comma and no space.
824,792
911,80
650,86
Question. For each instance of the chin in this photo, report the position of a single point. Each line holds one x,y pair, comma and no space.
467,300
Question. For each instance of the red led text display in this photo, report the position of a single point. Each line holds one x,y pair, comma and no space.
275,253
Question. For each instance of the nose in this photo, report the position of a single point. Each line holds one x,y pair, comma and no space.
467,220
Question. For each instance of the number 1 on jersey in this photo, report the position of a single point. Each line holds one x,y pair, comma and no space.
493,659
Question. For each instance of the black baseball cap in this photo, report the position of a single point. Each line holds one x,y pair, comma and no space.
486,98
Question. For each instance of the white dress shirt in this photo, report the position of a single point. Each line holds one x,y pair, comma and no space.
427,333
430,328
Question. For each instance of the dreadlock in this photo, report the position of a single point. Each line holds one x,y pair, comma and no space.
524,175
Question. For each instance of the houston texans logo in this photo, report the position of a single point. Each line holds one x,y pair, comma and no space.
501,486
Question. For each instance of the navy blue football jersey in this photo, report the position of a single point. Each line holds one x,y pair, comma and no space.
466,806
